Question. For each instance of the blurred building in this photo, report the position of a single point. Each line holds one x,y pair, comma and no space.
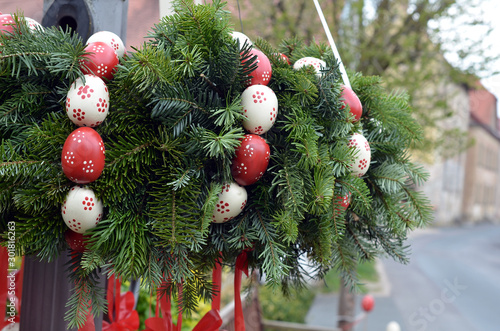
445,187
481,196
463,186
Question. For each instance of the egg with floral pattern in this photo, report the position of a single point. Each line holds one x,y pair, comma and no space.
263,73
109,38
83,156
316,63
87,104
362,155
251,160
260,107
231,201
81,210
101,60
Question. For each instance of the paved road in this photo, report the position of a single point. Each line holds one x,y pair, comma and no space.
452,283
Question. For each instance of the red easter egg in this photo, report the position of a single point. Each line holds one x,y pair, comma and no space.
345,201
351,99
251,160
367,303
83,156
262,74
6,24
284,58
75,240
101,61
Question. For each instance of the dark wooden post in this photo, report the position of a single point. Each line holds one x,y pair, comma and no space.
46,289
346,308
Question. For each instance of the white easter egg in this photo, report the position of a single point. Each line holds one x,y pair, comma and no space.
231,202
33,25
242,39
260,106
316,63
109,38
81,210
362,156
87,104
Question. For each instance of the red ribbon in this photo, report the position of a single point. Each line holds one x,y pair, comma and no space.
121,313
241,267
166,323
217,282
210,322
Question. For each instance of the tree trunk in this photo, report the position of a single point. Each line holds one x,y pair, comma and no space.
346,307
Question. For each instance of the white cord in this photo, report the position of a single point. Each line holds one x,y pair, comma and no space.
345,78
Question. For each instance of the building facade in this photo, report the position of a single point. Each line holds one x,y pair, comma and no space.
445,187
464,187
481,195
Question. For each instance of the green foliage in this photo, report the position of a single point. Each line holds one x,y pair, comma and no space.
170,136
292,308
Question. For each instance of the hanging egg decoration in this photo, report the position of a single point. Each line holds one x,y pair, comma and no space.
33,24
362,155
101,60
82,156
260,107
81,210
241,38
349,98
263,73
111,39
344,201
284,58
75,240
316,63
251,160
230,203
87,103
7,24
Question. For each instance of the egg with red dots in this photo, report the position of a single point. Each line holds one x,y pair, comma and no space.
109,38
263,73
260,108
230,203
101,60
316,63
362,154
83,155
251,160
81,210
87,104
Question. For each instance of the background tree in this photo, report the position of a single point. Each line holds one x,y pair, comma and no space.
400,40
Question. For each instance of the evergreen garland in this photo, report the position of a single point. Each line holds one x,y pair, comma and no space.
170,137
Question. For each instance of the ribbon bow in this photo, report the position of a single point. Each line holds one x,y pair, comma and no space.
210,322
125,317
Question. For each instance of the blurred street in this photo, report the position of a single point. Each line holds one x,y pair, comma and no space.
451,283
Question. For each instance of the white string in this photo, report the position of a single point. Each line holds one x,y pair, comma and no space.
345,78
